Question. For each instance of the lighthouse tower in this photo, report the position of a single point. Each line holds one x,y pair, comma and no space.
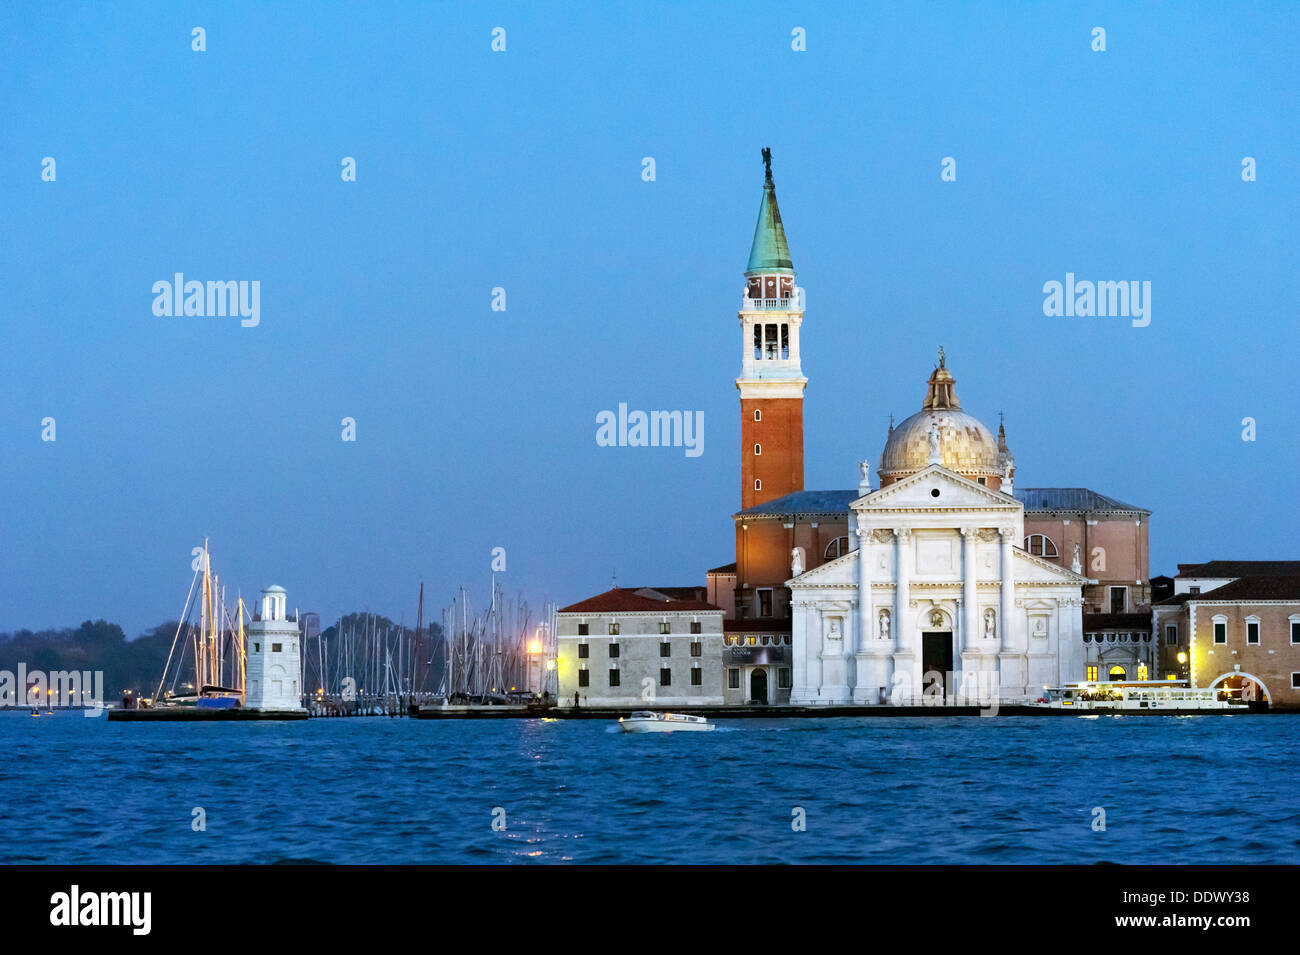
274,661
771,382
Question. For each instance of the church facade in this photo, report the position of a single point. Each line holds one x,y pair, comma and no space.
942,579
935,599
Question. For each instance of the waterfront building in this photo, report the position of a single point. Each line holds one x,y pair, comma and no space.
1082,556
935,592
1235,624
637,647
273,670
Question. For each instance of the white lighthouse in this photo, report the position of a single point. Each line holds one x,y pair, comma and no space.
274,661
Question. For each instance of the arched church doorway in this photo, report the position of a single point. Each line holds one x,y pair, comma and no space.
758,686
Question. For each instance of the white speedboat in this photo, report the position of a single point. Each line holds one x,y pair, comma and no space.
647,721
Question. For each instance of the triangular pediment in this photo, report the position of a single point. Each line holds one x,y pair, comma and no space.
1035,570
916,491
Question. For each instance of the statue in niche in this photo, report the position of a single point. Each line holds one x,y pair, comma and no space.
796,562
1074,564
935,456
834,633
884,625
990,625
1040,627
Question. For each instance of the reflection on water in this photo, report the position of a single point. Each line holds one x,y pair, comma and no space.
1208,789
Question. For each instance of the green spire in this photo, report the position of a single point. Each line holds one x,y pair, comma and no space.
769,251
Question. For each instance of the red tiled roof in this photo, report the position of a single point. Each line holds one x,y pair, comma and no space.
1239,568
724,569
1263,587
1251,587
633,600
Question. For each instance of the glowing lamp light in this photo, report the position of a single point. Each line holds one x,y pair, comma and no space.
550,664
1182,657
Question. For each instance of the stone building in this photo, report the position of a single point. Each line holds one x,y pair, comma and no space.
1235,624
640,647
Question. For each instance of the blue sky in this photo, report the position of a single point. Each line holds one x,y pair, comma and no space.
522,170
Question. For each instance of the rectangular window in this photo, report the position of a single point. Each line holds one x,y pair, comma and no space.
696,648
758,342
1252,632
257,648
765,602
665,677
584,678
665,626
769,342
1092,673
783,678
275,647
1295,681
695,626
785,341
584,651
613,650
613,629
697,676
1194,590
1220,633
1118,599
665,649
583,629
1171,635
733,679
1295,631
613,678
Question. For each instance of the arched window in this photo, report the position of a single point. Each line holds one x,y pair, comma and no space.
758,449
758,485
836,548
758,414
1117,673
1040,545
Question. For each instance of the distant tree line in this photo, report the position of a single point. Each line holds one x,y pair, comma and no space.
136,665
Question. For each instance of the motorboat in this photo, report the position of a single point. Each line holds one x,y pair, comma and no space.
1137,695
648,721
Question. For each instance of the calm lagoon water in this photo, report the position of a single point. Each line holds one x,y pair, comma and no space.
1207,789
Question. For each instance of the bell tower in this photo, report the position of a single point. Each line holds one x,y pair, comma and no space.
771,382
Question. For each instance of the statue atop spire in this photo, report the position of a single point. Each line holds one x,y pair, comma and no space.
767,164
941,394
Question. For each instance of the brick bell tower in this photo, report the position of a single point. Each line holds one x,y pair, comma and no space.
771,383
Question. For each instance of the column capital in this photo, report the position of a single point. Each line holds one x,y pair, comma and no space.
1005,533
902,533
968,532
862,532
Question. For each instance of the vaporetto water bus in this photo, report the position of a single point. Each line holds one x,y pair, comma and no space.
1139,695
647,721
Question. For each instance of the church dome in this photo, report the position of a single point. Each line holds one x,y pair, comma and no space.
966,446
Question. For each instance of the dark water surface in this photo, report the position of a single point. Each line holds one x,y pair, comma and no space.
1207,789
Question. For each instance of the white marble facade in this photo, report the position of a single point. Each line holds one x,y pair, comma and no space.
945,588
